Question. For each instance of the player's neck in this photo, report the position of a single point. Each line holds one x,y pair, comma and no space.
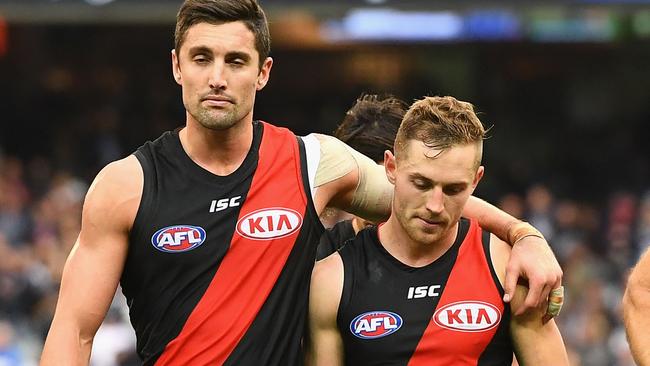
220,152
406,250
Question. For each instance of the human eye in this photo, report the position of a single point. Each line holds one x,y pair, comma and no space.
201,59
420,184
238,62
237,59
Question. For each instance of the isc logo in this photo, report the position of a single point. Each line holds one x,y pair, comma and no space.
269,223
423,291
178,238
375,324
468,316
224,203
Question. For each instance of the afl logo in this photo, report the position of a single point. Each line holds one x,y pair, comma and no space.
375,324
468,316
269,223
178,238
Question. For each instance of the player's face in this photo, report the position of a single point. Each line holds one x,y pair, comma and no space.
218,69
430,192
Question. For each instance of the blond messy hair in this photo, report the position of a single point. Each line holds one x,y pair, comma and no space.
440,123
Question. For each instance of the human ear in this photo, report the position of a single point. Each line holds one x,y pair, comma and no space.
176,68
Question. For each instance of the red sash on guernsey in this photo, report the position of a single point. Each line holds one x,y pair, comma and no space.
251,267
468,313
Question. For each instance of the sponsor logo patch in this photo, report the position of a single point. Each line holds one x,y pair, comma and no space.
178,238
269,223
375,324
468,316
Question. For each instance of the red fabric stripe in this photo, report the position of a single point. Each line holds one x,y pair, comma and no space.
250,268
469,280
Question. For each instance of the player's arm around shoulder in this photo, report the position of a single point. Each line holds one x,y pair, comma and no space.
94,266
636,310
350,181
325,345
535,342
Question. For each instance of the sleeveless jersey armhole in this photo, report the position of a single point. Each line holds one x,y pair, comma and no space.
485,239
146,197
308,175
348,284
311,147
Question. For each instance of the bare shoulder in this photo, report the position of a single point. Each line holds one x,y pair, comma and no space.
328,272
500,254
114,195
326,289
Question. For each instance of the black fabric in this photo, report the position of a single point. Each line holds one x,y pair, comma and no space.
334,238
162,288
376,281
501,346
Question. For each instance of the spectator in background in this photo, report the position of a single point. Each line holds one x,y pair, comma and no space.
369,127
10,354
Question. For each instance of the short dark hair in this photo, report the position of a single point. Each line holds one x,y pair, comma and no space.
224,11
371,125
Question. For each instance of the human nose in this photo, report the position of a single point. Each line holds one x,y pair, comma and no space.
217,76
435,200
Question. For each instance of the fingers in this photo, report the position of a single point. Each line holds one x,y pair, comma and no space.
512,275
555,302
533,298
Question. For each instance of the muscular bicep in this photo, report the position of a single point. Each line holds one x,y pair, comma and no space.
94,266
636,309
325,346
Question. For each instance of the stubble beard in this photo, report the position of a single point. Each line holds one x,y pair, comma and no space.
416,233
217,120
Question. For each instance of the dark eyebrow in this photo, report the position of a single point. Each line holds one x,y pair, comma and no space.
419,176
236,54
200,49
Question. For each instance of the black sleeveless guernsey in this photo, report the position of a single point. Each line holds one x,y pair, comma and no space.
218,267
449,312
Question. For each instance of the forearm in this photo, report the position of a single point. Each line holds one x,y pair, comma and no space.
65,346
636,307
490,217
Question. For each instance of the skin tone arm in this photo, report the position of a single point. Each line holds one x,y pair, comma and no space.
535,342
95,263
325,346
531,258
636,310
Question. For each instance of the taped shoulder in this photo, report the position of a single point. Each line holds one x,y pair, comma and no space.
373,193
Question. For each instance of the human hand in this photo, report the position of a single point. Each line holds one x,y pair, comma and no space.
532,258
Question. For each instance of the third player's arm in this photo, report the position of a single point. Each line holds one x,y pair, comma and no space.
636,308
94,266
325,346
